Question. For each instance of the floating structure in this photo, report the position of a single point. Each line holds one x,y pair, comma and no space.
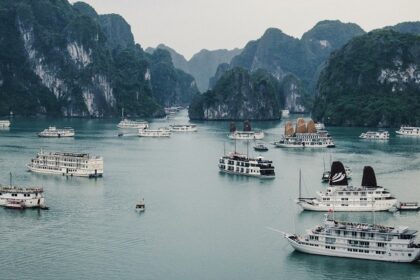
52,131
339,196
172,110
260,147
67,164
141,205
125,123
409,131
359,241
319,126
160,132
304,135
240,164
183,127
407,206
375,135
285,113
246,134
4,123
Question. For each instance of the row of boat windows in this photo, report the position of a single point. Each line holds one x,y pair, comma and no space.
361,193
15,194
64,165
61,159
361,199
241,170
240,163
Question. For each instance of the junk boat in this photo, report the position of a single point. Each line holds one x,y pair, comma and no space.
141,206
304,136
21,198
360,241
240,164
52,131
183,128
339,196
260,147
409,131
67,164
246,134
375,135
160,132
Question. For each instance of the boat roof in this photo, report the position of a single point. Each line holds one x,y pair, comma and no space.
371,228
68,154
15,189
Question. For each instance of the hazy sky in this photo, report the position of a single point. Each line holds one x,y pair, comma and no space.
191,25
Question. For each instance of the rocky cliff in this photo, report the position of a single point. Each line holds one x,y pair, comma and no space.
374,80
66,60
239,95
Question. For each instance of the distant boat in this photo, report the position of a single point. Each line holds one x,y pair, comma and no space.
125,123
183,127
319,126
409,131
52,131
240,164
141,206
4,123
375,135
408,206
285,113
160,132
246,134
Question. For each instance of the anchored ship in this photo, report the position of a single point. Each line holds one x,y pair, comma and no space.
375,135
239,164
339,196
304,136
409,131
183,128
4,123
246,134
160,132
67,164
359,241
125,123
52,131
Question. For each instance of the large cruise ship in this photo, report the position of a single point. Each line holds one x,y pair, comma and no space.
359,241
239,164
67,164
52,131
339,196
304,136
409,131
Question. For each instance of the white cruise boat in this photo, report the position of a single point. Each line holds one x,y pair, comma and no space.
52,131
359,241
183,128
319,126
160,132
339,196
125,123
409,131
240,164
4,123
320,139
375,135
285,113
21,198
246,134
67,164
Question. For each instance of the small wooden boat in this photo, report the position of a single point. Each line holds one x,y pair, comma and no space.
141,206
408,206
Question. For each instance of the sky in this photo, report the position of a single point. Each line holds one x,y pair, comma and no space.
191,25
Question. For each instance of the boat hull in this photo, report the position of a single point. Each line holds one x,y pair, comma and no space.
63,172
247,174
311,206
389,257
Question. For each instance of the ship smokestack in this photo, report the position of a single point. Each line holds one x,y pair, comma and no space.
369,178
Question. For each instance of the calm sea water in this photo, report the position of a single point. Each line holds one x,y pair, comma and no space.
198,224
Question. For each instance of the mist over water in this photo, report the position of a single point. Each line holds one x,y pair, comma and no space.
198,224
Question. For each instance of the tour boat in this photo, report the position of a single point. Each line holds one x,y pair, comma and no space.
320,139
285,113
409,131
172,110
339,196
52,131
160,132
319,126
239,164
21,198
125,123
358,240
260,147
246,134
408,206
67,164
141,206
375,135
4,123
183,128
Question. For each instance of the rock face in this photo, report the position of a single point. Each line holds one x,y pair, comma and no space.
202,65
374,80
63,59
239,95
282,55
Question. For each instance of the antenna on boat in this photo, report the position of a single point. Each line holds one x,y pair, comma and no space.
300,184
247,148
10,173
235,145
224,148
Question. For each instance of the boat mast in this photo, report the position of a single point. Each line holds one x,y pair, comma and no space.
247,148
300,184
10,174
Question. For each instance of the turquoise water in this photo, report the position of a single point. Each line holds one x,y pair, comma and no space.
198,224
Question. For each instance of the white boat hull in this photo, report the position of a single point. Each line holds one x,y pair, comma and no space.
342,252
379,205
65,172
247,174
